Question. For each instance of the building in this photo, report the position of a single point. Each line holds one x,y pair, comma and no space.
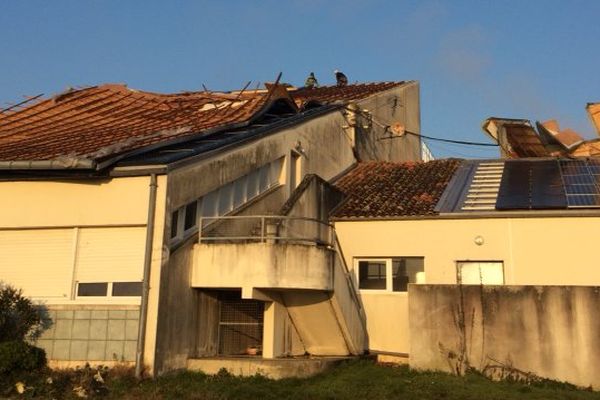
523,226
105,191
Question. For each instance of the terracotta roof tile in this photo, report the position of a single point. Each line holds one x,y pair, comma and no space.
328,94
82,123
384,189
102,121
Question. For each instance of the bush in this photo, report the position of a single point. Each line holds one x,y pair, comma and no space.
17,356
19,318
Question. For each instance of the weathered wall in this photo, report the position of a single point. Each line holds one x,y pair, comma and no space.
551,331
262,265
397,105
535,251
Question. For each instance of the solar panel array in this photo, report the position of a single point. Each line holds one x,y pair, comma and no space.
549,184
581,180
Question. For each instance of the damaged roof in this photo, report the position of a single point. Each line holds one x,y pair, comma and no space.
329,94
85,127
385,189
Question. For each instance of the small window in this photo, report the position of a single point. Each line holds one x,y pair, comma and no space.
239,191
480,272
92,289
190,215
225,199
252,185
263,178
174,223
209,204
390,274
372,275
127,289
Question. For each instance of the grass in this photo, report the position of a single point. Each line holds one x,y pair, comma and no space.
362,380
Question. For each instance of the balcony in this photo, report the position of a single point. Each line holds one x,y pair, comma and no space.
264,252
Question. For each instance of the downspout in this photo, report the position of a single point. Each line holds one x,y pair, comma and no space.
141,340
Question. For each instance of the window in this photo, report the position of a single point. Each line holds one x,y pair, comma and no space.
222,201
109,289
127,289
480,272
174,224
190,215
390,274
92,289
295,170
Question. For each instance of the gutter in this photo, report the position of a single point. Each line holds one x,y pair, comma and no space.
61,163
141,340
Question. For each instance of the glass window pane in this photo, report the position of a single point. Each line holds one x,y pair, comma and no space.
239,192
275,172
407,270
190,215
127,289
263,178
92,289
209,204
225,199
252,185
371,275
174,221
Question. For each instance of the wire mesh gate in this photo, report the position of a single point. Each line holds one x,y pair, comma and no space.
240,325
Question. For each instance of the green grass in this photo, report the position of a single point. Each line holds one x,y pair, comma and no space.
353,380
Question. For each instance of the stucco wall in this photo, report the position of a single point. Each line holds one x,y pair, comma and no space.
551,331
397,105
535,251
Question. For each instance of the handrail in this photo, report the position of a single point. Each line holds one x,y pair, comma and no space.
268,228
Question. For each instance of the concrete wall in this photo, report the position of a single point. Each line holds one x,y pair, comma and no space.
91,333
535,251
550,331
262,265
397,105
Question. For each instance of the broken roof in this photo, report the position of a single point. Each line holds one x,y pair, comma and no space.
87,126
385,189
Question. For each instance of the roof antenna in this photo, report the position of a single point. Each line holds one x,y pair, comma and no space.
205,88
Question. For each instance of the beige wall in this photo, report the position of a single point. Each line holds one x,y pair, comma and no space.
535,251
118,201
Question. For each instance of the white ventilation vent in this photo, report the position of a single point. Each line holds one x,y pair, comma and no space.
484,187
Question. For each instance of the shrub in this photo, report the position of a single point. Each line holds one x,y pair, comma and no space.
17,355
19,318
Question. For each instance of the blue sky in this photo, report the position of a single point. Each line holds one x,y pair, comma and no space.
522,59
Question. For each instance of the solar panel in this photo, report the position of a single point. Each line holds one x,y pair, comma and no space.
514,186
581,179
547,191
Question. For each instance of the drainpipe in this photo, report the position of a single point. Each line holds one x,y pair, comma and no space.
141,340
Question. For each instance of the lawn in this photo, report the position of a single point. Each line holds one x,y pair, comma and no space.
353,380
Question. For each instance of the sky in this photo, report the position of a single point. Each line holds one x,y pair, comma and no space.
533,59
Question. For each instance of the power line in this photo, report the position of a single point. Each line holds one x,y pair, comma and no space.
387,128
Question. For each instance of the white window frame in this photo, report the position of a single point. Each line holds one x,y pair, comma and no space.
108,296
389,282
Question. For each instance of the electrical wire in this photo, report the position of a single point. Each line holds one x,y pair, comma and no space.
388,126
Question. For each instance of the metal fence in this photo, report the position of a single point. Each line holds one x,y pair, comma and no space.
265,228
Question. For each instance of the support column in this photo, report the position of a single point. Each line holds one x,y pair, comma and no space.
274,329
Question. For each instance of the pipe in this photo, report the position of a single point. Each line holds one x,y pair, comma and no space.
141,340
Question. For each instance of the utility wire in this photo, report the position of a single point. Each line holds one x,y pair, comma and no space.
387,127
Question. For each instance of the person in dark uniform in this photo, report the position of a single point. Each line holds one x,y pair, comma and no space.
340,78
311,81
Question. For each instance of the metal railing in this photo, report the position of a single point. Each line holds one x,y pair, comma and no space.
266,229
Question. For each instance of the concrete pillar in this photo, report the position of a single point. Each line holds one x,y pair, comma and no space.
274,329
